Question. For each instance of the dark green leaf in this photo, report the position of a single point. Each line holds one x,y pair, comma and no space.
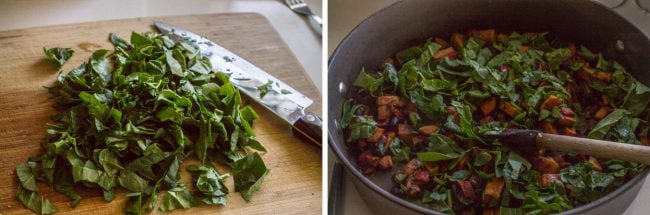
249,174
605,124
58,55
131,181
434,156
36,203
26,177
176,198
265,88
118,41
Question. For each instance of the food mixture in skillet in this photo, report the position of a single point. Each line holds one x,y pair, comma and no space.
425,112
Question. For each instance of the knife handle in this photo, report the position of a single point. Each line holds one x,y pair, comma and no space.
309,128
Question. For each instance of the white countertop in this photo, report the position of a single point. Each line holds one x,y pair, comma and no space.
293,28
344,15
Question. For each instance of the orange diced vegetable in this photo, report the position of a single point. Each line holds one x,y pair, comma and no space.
549,128
508,108
573,49
486,120
387,100
491,211
569,131
583,73
596,165
466,189
443,44
550,102
488,35
567,111
428,129
548,179
411,166
601,113
457,40
405,132
383,112
385,162
546,165
462,164
377,135
603,76
523,49
432,167
493,190
501,37
448,52
566,120
645,140
488,106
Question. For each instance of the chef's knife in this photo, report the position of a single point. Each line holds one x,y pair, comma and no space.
281,99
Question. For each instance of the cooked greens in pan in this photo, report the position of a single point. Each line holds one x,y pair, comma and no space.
425,112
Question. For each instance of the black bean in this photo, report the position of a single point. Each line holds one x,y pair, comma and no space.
393,121
396,190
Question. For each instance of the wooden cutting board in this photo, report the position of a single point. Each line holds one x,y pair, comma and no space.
293,185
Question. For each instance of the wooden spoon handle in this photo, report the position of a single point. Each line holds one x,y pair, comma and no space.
596,148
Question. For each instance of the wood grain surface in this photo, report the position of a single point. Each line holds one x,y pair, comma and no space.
293,186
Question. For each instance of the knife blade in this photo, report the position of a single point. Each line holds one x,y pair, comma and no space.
281,99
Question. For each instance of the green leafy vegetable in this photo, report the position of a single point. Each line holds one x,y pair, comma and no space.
265,88
58,55
249,174
428,113
128,118
36,203
176,198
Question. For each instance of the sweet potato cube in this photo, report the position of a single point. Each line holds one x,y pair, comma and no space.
603,76
465,189
383,112
549,128
377,135
443,44
448,52
567,111
501,37
411,166
566,120
601,113
569,131
509,108
548,179
546,165
523,49
385,162
457,40
387,100
493,190
405,132
488,35
488,106
645,140
428,129
491,211
595,164
550,102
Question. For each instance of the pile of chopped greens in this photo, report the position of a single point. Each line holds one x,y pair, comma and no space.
129,117
425,112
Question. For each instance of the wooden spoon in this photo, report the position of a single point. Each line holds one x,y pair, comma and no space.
530,140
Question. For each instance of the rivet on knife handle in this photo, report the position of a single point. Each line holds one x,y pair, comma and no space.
309,128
